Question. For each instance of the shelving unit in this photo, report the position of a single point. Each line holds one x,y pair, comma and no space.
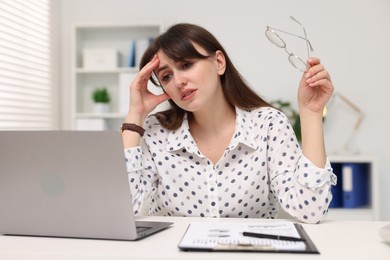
369,212
119,37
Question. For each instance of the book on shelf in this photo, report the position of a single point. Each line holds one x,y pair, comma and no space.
131,62
137,49
140,47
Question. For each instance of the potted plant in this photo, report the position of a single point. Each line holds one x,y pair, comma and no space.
292,115
101,99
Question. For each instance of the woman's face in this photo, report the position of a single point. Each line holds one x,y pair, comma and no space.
192,84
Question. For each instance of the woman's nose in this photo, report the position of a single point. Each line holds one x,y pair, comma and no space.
180,80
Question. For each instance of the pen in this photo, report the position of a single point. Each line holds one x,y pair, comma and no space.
277,237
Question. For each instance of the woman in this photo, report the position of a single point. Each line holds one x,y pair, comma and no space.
221,150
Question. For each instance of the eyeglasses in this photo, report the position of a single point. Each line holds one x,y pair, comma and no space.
275,39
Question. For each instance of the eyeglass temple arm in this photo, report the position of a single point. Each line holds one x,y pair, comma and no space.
305,39
304,32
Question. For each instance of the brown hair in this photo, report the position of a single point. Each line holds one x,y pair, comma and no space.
177,44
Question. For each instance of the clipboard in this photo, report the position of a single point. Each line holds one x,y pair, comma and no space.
227,237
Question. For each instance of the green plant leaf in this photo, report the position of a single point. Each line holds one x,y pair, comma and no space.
292,115
101,95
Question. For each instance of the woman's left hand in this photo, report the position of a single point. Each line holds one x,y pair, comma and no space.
315,88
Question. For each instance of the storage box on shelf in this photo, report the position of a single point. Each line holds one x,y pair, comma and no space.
355,172
106,55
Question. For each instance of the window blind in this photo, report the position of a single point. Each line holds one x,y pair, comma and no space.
25,65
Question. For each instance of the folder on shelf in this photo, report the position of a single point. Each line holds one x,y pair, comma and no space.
337,190
132,54
355,185
140,47
125,80
223,236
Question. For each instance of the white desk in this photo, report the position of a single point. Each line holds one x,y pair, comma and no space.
334,240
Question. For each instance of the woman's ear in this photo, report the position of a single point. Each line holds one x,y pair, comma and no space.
221,62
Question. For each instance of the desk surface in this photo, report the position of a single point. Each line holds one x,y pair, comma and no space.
334,240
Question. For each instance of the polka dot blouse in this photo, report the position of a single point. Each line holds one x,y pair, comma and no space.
263,167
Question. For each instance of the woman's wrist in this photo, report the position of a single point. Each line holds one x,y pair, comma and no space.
306,112
131,135
313,145
133,127
135,118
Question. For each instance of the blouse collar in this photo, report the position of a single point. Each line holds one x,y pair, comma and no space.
244,133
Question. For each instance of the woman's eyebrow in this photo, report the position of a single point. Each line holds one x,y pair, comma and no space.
161,68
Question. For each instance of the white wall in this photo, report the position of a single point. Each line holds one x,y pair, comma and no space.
352,37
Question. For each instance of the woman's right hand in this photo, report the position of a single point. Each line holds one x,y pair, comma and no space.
142,101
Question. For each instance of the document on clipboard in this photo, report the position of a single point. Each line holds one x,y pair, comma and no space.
281,237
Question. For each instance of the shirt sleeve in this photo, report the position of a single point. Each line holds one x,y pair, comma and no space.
142,179
302,189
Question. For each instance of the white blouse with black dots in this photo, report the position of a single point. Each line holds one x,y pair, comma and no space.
263,166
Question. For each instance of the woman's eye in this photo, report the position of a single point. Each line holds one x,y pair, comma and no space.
186,65
166,77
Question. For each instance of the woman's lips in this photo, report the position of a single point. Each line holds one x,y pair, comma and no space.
188,94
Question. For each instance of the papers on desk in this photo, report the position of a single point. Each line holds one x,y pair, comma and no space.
220,236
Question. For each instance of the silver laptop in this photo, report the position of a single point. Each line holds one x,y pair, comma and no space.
67,184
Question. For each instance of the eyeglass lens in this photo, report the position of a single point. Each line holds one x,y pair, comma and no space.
297,62
275,39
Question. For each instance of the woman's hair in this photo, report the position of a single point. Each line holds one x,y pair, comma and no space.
177,44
